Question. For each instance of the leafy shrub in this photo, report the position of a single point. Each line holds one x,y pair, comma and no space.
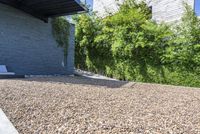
184,47
130,46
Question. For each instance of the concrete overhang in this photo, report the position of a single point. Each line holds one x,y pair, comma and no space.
43,9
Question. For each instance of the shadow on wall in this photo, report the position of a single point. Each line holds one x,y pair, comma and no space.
79,81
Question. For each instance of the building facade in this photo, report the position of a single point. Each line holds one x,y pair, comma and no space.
169,10
162,10
27,45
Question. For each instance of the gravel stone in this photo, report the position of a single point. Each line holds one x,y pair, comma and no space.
68,105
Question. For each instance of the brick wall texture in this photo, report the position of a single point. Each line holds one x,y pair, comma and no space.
27,46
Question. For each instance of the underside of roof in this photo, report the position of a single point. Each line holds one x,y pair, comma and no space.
43,9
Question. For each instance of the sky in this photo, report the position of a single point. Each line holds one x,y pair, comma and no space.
197,7
90,2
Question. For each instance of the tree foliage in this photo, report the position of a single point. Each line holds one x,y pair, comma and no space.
129,45
184,50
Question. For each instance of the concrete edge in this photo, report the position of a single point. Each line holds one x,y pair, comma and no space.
6,127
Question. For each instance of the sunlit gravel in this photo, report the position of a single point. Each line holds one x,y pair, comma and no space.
68,105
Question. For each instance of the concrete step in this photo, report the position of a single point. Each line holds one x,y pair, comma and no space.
4,74
7,73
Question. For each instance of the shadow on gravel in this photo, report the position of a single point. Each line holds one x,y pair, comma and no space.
80,81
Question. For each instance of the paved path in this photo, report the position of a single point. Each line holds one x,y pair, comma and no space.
6,126
62,105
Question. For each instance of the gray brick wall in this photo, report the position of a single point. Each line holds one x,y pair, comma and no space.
27,45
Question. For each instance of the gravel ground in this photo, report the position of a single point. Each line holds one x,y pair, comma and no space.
67,105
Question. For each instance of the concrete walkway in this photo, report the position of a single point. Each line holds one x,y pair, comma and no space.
91,75
6,126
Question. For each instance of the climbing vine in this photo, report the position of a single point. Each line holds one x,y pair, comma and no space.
61,32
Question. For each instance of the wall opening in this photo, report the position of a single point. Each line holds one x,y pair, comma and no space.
197,7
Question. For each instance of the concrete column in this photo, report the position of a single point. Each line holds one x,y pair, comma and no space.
71,51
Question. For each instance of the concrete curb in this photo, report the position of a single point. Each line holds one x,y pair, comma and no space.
6,126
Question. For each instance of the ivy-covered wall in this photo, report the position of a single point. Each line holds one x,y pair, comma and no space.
27,45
